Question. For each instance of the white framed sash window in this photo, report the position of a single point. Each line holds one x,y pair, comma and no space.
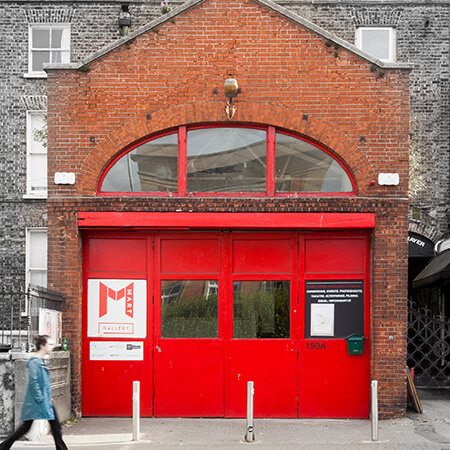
36,154
48,43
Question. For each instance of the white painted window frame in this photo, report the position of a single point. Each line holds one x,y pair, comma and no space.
31,26
28,232
392,40
29,139
28,269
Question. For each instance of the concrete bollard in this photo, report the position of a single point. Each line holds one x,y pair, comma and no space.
136,410
250,432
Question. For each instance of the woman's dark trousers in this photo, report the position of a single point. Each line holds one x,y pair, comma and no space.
25,427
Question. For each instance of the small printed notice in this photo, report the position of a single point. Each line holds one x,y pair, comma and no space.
50,323
117,308
322,319
334,308
116,351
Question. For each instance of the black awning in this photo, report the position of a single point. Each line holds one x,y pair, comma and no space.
437,270
419,246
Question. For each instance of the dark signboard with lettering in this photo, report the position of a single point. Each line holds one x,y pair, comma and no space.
334,309
419,246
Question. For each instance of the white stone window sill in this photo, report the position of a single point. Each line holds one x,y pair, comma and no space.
35,196
35,75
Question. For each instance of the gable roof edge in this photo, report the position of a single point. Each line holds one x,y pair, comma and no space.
128,38
267,3
332,37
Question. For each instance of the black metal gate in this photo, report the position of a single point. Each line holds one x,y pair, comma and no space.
19,315
429,347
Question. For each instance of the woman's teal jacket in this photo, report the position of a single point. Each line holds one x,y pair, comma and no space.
37,403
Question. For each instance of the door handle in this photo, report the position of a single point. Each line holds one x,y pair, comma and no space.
157,348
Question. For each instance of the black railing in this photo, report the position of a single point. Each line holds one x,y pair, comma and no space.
19,315
429,347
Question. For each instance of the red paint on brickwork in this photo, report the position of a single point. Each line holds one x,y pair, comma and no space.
285,71
237,220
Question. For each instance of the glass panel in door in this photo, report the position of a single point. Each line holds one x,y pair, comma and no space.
189,349
262,347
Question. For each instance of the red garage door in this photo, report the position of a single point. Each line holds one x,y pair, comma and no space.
261,345
194,316
189,336
334,277
117,348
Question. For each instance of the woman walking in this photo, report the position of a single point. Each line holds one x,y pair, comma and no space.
37,403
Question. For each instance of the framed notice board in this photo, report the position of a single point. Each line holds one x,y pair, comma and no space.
334,308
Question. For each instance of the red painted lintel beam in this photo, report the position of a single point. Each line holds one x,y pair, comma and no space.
186,220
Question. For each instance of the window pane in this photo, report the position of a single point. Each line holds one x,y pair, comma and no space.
37,171
56,57
38,132
376,42
40,38
261,309
302,167
151,167
38,278
39,58
226,160
189,309
38,250
122,177
56,38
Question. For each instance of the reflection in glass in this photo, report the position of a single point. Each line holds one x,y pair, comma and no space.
151,167
302,167
226,160
189,309
261,309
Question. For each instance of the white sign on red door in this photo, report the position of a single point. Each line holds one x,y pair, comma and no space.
117,308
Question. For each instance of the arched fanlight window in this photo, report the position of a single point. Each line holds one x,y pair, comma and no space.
259,161
150,167
302,167
226,160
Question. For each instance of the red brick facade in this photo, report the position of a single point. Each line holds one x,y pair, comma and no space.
291,78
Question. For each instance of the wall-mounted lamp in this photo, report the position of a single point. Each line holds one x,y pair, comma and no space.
231,89
124,20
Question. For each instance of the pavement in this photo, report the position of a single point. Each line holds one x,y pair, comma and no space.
430,430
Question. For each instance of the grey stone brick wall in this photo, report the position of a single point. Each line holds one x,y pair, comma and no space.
7,396
422,38
15,217
14,380
93,25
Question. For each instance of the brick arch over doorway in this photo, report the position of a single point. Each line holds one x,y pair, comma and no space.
207,112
